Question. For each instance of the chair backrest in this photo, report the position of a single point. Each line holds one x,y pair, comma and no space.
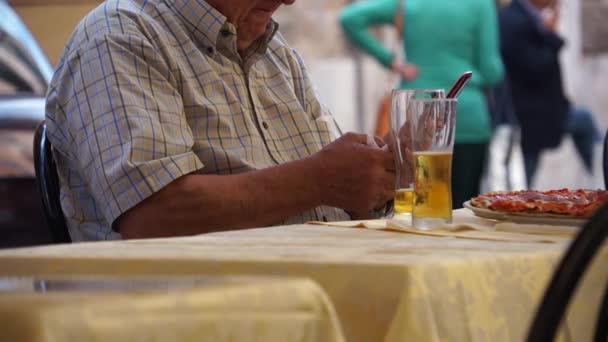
577,259
601,325
605,160
48,185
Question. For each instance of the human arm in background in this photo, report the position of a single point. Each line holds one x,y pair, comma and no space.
357,18
134,149
491,69
550,16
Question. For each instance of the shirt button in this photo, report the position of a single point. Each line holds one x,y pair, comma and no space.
265,125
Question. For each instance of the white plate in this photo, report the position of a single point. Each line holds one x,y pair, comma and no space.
551,219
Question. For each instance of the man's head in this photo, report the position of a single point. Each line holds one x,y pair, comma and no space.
251,17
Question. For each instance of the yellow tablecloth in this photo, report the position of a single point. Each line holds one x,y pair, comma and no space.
243,310
386,286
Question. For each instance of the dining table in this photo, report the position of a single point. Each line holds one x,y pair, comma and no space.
167,308
475,279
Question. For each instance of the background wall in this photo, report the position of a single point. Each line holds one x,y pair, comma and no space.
52,22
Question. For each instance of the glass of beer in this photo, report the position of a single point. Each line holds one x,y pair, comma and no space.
432,129
401,142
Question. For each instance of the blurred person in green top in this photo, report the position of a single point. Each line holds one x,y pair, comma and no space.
442,39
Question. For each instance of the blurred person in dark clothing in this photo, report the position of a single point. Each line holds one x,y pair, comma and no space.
530,48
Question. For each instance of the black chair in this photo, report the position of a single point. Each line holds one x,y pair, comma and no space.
577,259
48,186
601,327
605,160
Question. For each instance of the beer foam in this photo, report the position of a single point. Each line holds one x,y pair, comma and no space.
433,153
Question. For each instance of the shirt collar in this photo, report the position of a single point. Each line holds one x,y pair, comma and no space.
202,20
207,25
260,45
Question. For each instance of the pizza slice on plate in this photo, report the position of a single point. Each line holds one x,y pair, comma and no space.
571,203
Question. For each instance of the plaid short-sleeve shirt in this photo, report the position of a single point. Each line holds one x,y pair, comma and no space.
148,91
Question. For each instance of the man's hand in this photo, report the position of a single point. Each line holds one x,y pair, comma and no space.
550,16
403,152
354,176
407,71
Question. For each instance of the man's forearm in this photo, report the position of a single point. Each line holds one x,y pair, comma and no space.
346,174
197,204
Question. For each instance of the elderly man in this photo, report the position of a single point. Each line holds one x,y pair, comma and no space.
177,117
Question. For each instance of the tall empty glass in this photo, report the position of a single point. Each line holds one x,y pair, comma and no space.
400,133
432,129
